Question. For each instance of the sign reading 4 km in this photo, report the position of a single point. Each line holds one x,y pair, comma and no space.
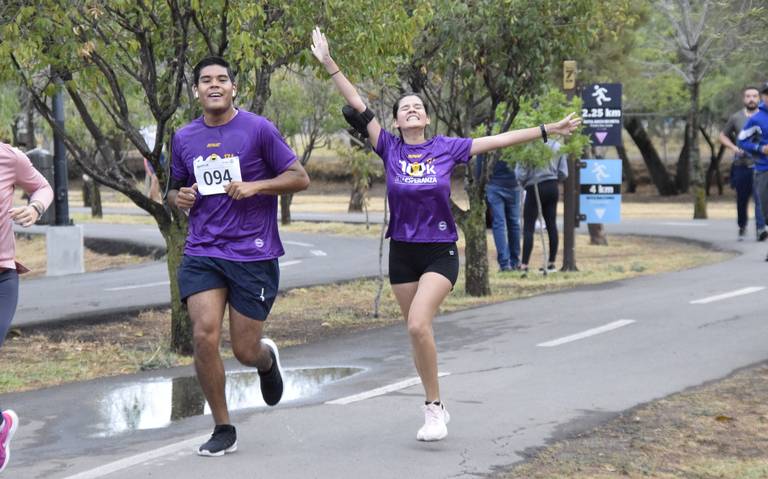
601,113
600,191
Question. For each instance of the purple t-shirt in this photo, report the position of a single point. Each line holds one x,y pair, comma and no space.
419,186
238,230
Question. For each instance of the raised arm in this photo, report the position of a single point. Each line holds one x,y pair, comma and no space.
564,127
321,51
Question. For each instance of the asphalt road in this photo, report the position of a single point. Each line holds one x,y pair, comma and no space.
519,374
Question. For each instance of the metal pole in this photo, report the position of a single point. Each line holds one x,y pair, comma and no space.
60,159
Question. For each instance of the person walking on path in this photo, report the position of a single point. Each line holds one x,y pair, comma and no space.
503,195
227,168
753,139
546,180
423,258
743,166
15,170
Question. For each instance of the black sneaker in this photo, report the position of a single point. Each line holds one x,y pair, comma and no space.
272,380
223,440
762,236
742,233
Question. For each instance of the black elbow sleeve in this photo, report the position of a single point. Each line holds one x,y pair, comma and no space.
358,121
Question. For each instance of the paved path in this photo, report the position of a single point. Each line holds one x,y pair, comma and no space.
520,374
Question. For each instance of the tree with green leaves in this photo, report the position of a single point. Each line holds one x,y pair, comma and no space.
125,65
306,110
550,104
475,62
697,38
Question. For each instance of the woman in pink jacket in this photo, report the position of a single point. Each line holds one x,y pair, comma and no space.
15,170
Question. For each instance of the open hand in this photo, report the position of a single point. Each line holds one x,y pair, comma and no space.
319,46
564,127
241,189
24,215
186,197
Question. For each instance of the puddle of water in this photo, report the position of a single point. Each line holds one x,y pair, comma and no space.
158,402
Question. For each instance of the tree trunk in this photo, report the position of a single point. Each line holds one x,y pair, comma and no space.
626,168
696,171
713,172
285,208
597,234
472,224
95,194
175,233
659,174
356,200
683,176
87,201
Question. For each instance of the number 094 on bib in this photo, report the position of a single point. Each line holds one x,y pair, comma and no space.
214,173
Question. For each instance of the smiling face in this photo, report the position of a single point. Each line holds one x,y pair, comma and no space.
411,113
215,89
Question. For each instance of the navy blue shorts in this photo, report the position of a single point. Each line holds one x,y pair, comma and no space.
251,285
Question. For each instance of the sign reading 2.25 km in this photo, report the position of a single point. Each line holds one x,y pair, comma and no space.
601,113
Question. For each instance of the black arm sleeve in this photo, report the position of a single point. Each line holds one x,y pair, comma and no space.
358,121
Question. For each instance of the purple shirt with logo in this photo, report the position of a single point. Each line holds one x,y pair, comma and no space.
220,227
419,186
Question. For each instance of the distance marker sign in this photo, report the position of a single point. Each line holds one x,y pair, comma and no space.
601,113
600,191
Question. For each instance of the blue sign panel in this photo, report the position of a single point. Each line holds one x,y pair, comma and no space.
600,191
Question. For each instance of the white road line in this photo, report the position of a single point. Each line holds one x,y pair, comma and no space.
680,223
298,243
732,294
289,263
585,334
318,252
138,286
380,391
131,461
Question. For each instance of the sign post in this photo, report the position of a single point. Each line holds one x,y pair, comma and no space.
570,208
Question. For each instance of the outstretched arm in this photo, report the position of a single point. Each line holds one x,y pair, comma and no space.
322,52
515,137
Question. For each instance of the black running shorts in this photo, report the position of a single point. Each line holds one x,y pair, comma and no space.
408,261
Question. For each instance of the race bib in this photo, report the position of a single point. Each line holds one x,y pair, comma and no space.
214,173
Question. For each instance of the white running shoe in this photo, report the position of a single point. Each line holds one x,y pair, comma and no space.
435,420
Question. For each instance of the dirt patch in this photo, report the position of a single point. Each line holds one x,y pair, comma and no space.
719,430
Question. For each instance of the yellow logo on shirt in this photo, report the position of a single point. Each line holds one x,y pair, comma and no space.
213,145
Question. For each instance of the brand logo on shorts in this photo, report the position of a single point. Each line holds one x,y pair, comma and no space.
451,252
442,226
258,242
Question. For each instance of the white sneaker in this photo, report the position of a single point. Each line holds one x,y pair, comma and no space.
435,420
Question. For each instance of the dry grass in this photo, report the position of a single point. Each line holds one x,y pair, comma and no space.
30,250
714,431
34,359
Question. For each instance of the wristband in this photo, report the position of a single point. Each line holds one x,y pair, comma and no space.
543,132
337,71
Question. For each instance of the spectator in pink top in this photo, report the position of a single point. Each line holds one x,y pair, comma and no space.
15,170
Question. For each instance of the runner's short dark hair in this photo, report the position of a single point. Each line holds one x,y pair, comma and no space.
208,61
750,87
